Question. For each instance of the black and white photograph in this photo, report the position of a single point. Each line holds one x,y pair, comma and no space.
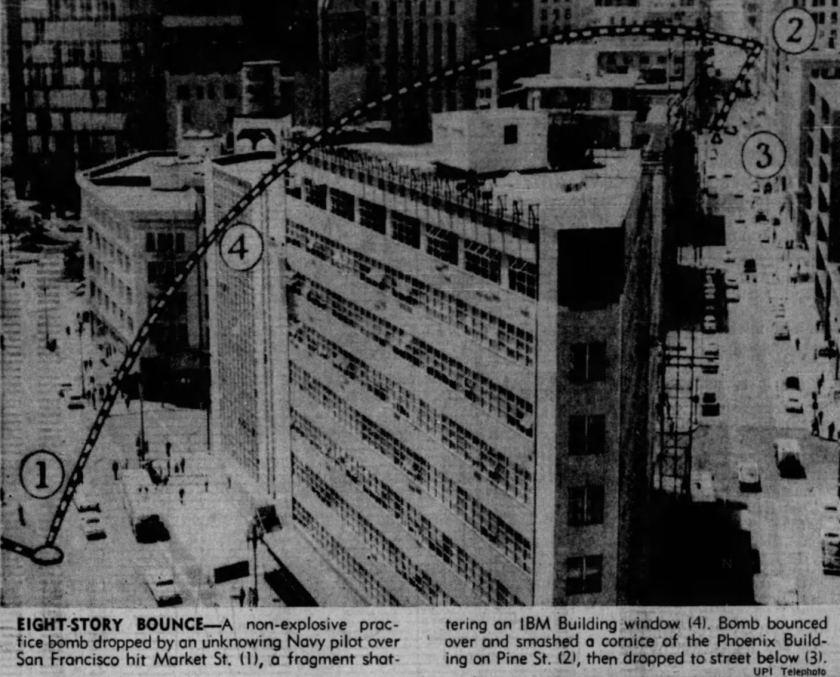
411,303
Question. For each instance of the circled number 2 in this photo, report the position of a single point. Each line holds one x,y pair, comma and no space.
763,155
795,30
241,247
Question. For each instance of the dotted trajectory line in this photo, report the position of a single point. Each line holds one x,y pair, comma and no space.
568,35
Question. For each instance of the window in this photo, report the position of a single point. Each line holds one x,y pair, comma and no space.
186,115
230,91
511,134
588,362
583,574
152,272
179,242
183,92
587,435
211,91
150,242
442,244
199,92
342,204
406,229
374,8
522,277
482,260
372,216
586,505
316,194
165,242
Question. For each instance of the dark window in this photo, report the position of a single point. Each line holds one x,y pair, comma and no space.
522,276
186,115
230,91
211,91
587,435
442,244
374,8
183,92
586,505
372,216
583,574
165,242
589,362
342,204
179,242
511,134
316,194
482,260
406,229
150,242
199,92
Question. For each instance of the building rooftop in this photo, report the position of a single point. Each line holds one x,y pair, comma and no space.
247,166
127,183
548,81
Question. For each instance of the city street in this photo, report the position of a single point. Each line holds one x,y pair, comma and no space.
38,385
784,518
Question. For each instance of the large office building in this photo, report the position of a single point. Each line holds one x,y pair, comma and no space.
84,87
142,217
440,369
821,203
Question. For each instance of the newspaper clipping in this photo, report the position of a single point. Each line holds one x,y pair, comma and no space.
430,337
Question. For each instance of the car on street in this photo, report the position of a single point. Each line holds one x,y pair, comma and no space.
789,458
709,324
709,405
781,331
728,256
84,500
731,280
793,402
750,267
161,584
749,478
709,294
733,295
93,528
764,237
760,217
76,405
830,539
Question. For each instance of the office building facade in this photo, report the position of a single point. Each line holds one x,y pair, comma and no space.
444,392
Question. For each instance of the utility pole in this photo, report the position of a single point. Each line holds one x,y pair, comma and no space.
254,535
142,420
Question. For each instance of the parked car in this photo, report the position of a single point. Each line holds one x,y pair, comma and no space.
731,280
733,295
728,256
709,324
750,267
749,478
161,583
781,331
789,458
709,405
84,501
93,528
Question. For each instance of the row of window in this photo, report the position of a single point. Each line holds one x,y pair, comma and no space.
163,273
117,286
109,250
490,463
185,92
491,331
479,259
376,593
507,406
383,547
117,225
84,9
165,242
422,475
106,303
437,7
491,590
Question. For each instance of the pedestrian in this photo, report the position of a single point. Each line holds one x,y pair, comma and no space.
181,494
168,448
228,481
93,399
183,464
128,403
206,486
831,430
67,329
115,466
101,392
820,416
241,596
815,427
796,343
819,324
21,516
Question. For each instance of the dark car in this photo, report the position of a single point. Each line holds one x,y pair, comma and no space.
709,406
749,266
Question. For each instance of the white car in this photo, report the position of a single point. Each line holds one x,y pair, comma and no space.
84,501
162,586
728,256
765,236
749,478
731,280
733,295
709,324
793,402
93,528
781,332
